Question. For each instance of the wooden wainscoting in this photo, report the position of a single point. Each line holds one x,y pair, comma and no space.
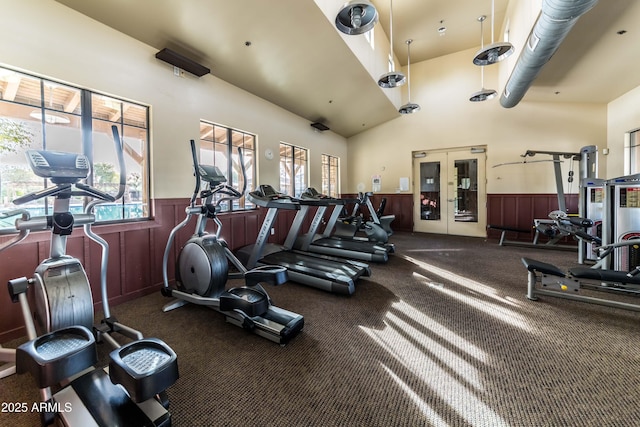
135,255
519,210
137,248
398,204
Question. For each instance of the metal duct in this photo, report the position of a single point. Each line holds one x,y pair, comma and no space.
556,19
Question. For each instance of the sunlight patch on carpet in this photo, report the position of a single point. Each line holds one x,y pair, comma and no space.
438,358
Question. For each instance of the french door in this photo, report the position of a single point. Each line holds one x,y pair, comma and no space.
450,192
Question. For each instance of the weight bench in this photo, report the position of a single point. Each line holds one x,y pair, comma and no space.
504,231
558,283
544,227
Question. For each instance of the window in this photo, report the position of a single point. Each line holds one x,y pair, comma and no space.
38,113
293,169
330,175
219,147
632,153
369,36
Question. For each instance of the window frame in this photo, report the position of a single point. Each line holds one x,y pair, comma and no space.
289,184
327,167
46,105
632,152
249,154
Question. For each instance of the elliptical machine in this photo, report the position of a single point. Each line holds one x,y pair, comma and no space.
61,352
377,229
202,267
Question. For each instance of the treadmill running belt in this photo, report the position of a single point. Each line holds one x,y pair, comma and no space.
314,266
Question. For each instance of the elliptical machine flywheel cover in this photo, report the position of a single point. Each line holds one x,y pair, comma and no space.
62,295
202,267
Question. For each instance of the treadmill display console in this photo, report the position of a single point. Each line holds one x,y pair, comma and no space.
268,191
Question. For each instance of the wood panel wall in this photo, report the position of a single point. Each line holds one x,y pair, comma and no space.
136,249
519,210
398,204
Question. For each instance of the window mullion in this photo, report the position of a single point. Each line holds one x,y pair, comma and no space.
86,129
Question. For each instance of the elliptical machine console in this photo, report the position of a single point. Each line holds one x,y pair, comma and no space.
203,265
61,351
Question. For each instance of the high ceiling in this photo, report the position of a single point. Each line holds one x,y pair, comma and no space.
296,59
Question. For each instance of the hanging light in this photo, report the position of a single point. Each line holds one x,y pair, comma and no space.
483,94
409,107
495,52
356,17
392,78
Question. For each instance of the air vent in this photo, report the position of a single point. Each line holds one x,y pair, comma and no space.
82,162
38,159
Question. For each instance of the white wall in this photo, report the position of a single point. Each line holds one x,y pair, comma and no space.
48,39
623,117
442,88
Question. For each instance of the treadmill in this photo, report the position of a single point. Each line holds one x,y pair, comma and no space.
345,248
318,271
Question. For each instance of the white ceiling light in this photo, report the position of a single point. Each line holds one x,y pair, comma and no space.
495,52
409,107
483,94
392,78
356,17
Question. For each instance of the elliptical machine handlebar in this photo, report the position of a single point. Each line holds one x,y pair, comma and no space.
123,176
22,234
194,158
104,258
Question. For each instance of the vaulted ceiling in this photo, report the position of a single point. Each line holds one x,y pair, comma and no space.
289,53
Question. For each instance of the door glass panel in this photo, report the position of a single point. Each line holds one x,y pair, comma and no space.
466,189
430,191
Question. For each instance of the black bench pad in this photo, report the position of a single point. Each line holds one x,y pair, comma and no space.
504,228
604,275
542,267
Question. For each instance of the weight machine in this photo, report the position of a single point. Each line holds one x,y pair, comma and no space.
617,269
550,227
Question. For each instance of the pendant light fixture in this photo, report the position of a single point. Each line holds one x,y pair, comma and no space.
393,78
495,52
483,94
356,17
409,107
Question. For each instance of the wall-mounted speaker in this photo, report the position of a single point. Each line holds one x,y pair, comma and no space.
319,126
182,62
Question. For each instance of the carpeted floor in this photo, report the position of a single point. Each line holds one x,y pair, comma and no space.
441,335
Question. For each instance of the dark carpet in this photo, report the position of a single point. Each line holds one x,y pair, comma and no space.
441,335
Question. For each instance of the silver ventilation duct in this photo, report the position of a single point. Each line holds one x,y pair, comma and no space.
556,19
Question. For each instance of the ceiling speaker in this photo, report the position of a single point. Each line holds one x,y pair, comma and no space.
182,62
